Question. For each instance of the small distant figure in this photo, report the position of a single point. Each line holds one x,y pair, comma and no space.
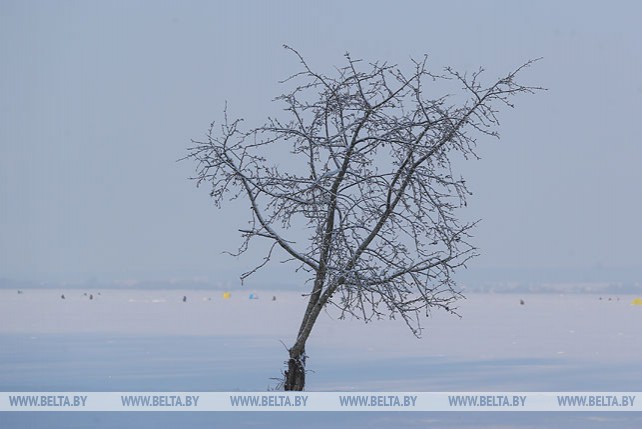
62,296
184,298
273,298
91,296
19,292
521,302
85,294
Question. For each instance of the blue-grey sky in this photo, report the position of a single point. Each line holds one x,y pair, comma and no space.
99,99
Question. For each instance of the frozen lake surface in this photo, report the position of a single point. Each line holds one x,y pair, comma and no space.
144,340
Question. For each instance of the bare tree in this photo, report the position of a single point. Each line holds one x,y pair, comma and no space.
362,165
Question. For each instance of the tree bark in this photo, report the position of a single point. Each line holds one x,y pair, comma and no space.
295,374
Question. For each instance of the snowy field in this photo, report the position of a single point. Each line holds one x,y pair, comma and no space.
143,340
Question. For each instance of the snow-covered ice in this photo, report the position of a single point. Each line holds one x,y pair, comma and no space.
150,340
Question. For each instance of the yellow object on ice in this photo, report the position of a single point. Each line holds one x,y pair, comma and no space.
227,295
637,301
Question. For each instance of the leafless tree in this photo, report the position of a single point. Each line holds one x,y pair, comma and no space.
362,165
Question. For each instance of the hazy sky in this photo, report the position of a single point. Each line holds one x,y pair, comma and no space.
99,99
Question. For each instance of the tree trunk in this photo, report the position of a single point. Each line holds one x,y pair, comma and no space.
295,374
